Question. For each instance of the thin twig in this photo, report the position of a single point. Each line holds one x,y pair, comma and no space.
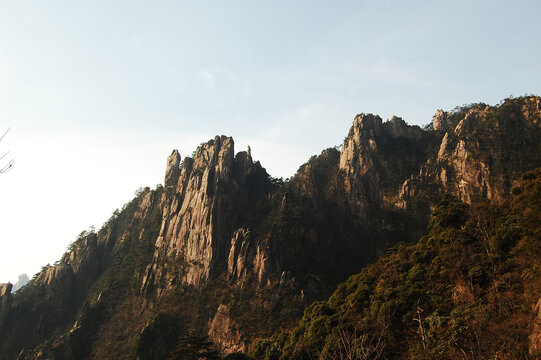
1,138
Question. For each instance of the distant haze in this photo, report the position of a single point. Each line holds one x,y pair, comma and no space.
22,281
98,93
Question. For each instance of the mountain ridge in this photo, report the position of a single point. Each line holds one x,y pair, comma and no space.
240,247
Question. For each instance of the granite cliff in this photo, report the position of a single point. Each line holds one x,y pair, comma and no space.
482,150
203,212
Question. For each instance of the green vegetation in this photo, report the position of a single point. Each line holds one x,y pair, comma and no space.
309,223
466,290
404,157
514,146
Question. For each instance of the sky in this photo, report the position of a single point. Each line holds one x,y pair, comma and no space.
97,94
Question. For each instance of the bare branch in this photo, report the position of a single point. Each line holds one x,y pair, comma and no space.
1,138
7,166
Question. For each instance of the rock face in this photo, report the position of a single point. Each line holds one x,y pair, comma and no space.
246,257
482,151
362,164
397,128
531,110
367,159
456,157
195,228
440,121
5,303
200,217
172,171
224,334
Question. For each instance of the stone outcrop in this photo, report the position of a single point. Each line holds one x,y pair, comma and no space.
531,110
397,128
172,171
224,334
482,151
5,303
201,216
367,158
459,169
440,121
247,257
362,164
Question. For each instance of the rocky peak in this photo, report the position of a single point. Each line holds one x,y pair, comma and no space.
5,289
199,219
471,121
372,159
360,163
396,127
483,150
440,120
365,126
172,171
217,153
360,139
185,172
244,166
531,108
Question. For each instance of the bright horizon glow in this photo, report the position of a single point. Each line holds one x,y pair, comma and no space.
98,94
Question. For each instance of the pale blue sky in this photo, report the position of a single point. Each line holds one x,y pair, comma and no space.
98,92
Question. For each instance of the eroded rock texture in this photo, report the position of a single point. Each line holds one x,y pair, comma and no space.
201,214
481,153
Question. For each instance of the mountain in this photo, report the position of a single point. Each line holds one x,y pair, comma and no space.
223,255
22,281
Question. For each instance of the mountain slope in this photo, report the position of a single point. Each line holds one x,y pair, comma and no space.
466,290
224,250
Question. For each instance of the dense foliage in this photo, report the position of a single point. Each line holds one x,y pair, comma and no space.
466,291
503,141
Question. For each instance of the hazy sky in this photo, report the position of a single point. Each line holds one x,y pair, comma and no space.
98,93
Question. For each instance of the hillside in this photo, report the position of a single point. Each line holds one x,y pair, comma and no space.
223,255
469,289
